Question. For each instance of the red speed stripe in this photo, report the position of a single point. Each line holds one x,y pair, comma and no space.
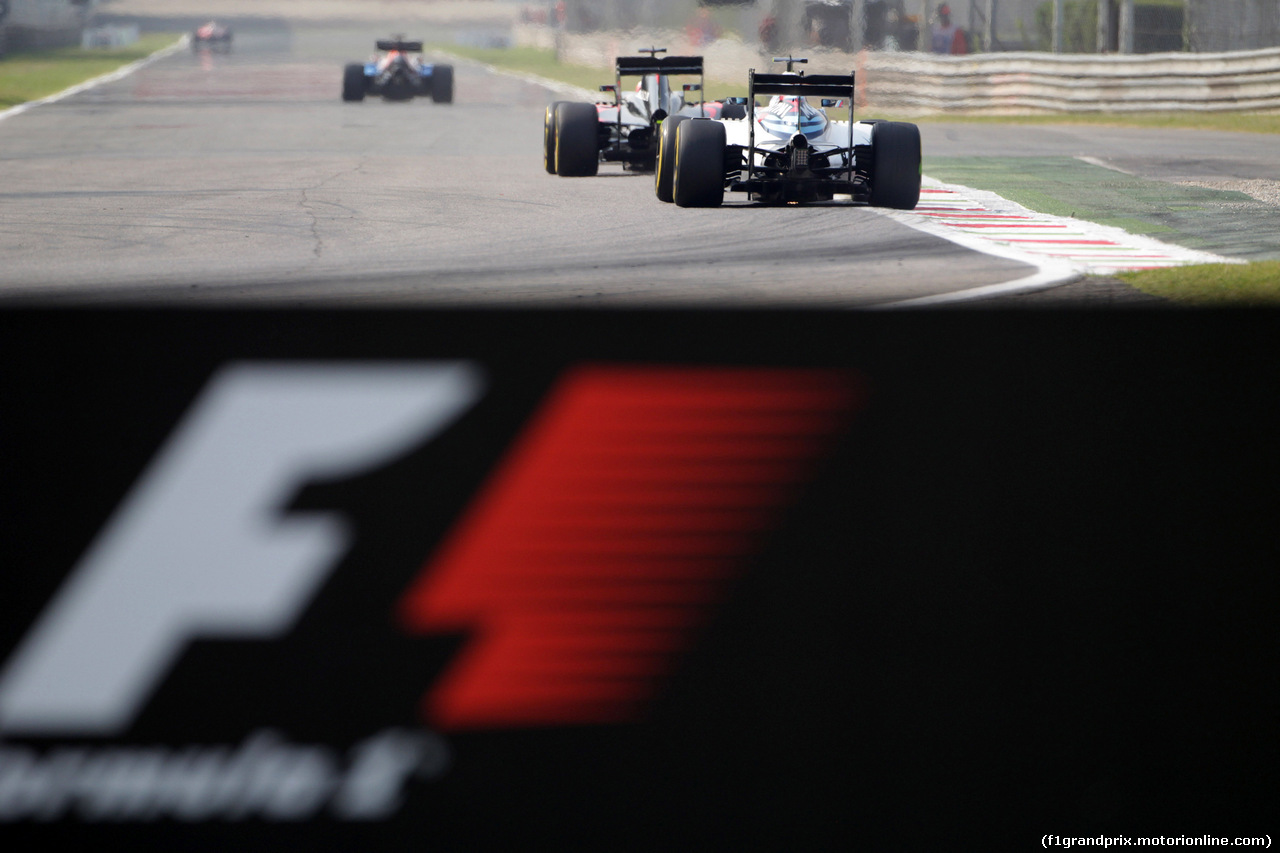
605,534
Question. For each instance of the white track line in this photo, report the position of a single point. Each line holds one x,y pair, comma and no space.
110,77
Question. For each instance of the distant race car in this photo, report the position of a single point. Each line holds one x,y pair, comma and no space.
211,35
790,151
398,74
577,137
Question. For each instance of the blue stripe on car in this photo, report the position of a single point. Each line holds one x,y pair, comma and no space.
811,127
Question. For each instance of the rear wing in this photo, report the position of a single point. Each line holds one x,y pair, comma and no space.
400,45
638,66
817,85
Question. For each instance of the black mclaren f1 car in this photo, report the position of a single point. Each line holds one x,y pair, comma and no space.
578,136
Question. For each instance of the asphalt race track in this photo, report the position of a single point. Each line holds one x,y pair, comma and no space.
243,178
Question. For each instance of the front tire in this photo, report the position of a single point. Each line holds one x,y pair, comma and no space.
895,165
549,137
664,173
353,82
577,142
699,173
442,84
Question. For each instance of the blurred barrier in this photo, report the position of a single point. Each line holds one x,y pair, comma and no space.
111,36
992,83
1060,83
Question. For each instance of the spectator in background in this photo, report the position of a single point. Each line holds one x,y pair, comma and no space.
947,37
703,29
891,27
769,33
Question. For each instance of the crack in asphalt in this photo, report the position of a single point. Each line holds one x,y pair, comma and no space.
308,207
317,248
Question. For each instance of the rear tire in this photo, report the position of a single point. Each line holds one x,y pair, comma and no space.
577,140
699,173
549,137
895,165
353,82
664,173
733,111
442,84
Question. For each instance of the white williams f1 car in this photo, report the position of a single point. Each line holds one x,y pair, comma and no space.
577,137
398,74
790,151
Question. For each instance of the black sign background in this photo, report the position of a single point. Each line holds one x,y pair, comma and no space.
1033,592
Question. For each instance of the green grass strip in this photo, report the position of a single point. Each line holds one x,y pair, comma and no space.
1066,186
32,75
1212,285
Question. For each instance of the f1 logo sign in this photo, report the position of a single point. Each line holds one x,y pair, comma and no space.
577,575
200,548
